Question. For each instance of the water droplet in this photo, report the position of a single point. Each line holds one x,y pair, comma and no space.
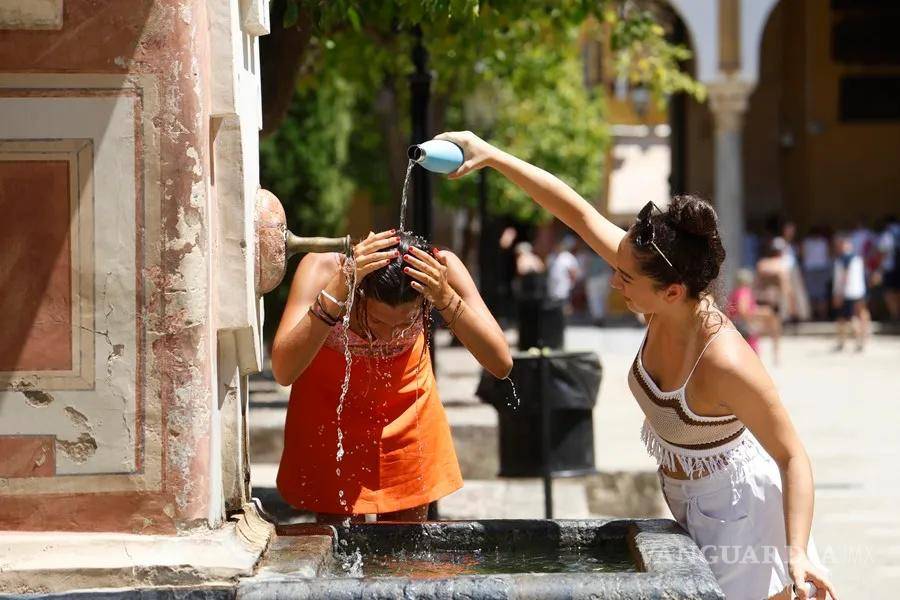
515,395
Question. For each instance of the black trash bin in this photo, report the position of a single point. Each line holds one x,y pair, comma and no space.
573,381
541,323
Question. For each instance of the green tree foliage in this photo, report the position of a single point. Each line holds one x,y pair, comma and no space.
303,163
508,69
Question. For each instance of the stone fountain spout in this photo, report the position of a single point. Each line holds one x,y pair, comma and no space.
275,244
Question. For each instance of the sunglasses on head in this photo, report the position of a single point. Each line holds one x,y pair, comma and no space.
644,233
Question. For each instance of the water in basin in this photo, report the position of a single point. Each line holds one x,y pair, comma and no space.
430,564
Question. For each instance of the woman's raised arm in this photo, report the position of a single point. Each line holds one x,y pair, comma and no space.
446,282
544,188
300,334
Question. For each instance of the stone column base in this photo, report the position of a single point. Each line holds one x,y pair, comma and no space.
47,562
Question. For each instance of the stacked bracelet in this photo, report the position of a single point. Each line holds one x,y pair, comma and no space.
444,308
321,306
333,299
317,313
457,311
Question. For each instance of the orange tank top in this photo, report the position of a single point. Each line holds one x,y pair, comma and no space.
397,448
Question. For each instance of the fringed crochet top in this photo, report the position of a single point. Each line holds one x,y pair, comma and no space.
672,432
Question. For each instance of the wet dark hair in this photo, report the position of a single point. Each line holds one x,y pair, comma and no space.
687,234
390,284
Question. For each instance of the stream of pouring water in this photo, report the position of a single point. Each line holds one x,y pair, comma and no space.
409,168
349,270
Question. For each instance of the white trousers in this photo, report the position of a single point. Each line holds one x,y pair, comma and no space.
736,517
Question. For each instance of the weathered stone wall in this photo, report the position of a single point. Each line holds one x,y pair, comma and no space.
111,398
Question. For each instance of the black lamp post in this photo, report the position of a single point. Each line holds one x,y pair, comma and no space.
420,93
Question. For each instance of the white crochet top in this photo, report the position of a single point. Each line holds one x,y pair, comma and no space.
673,432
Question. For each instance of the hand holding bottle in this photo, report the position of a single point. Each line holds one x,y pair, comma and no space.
477,153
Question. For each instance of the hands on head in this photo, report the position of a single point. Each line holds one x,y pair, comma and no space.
428,271
377,250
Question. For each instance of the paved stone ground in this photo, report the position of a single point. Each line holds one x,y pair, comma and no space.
845,406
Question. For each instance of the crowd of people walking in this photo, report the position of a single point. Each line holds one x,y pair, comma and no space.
843,276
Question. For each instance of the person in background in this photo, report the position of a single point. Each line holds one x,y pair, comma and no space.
597,274
562,272
773,282
742,306
751,319
798,306
816,261
530,281
849,294
861,238
889,245
527,261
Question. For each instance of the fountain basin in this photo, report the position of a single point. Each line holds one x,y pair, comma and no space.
540,559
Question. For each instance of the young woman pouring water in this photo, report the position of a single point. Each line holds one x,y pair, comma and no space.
732,467
372,437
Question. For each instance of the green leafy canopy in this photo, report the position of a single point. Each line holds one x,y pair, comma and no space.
510,70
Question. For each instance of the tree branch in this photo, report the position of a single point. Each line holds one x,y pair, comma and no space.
281,56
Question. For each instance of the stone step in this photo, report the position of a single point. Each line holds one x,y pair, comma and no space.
620,494
271,398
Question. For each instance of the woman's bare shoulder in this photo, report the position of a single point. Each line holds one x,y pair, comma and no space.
317,267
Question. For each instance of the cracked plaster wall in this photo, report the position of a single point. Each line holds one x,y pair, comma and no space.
163,50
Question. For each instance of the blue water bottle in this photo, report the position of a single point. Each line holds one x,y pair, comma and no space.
439,156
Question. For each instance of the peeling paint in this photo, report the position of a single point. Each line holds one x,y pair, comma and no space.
167,47
37,398
79,450
77,418
197,169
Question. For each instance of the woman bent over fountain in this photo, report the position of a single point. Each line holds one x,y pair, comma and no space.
365,431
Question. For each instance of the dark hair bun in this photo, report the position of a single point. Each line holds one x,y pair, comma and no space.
688,249
693,215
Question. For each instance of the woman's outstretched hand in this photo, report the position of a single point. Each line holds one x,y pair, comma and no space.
430,275
477,153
